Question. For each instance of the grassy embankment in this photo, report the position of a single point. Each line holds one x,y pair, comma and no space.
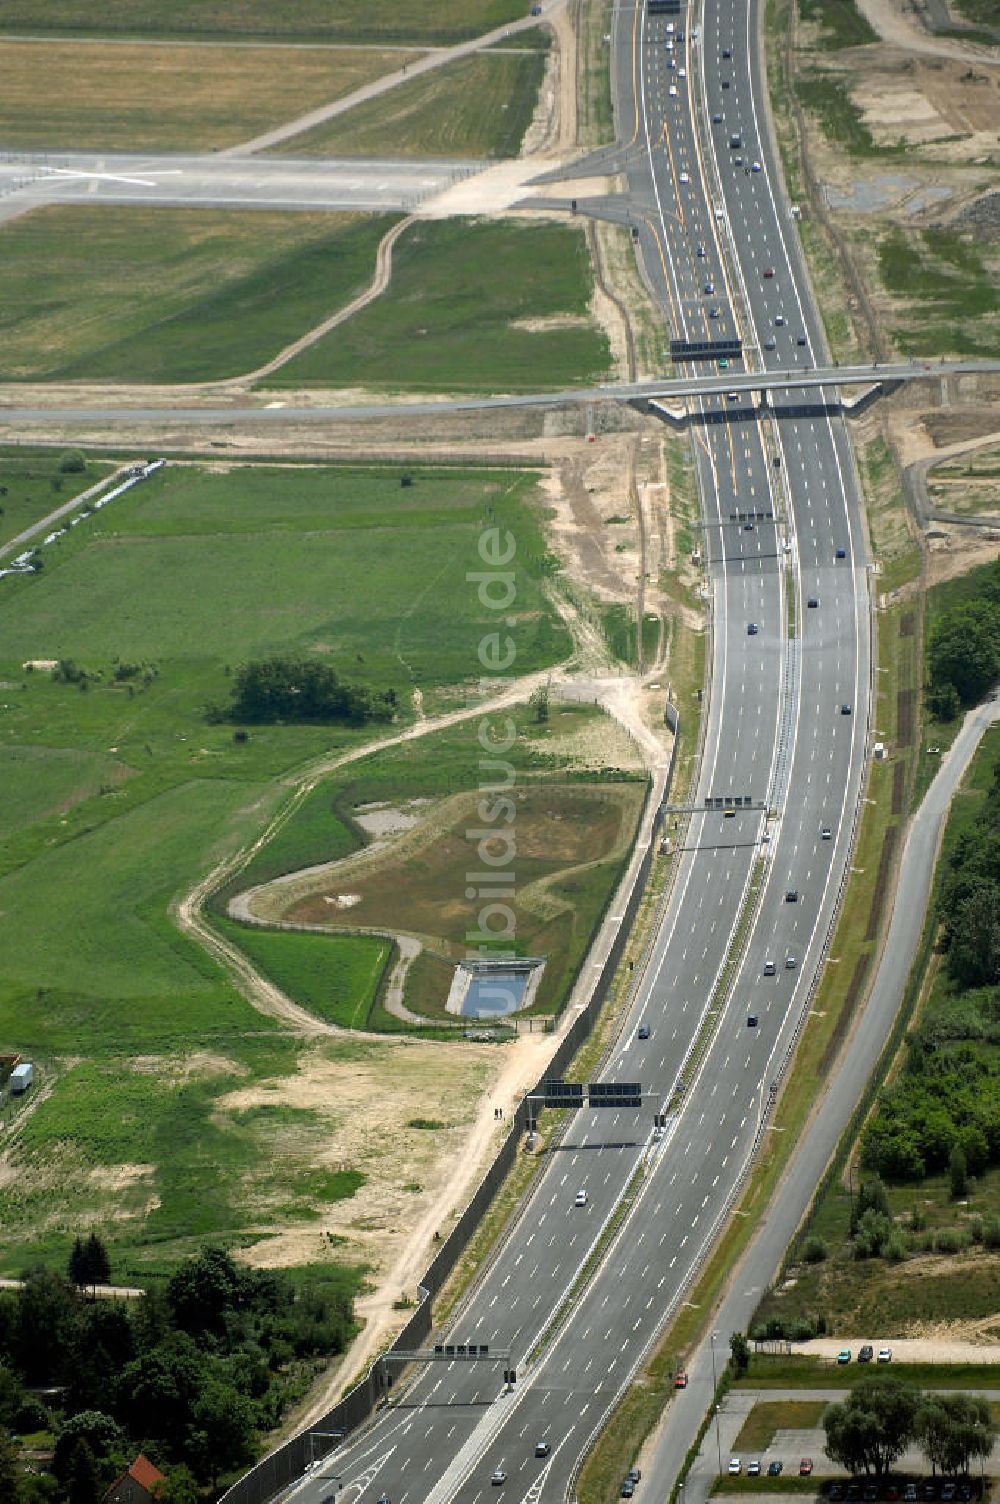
155,599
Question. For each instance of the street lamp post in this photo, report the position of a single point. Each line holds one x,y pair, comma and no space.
715,1406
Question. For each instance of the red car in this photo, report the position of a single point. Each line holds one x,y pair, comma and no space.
680,1380
805,1467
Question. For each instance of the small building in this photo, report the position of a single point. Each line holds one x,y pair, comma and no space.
21,1077
136,1485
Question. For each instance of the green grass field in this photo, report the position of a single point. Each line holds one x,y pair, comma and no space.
309,20
841,23
337,977
480,106
458,315
945,285
32,486
117,794
54,95
162,295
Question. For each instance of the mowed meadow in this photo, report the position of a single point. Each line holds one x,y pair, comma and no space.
120,790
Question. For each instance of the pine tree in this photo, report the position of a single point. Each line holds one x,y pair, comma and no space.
97,1263
78,1263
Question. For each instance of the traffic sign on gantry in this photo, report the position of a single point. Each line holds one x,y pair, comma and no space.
615,1094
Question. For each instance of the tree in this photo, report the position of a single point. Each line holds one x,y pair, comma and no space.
872,1196
739,1353
102,1434
290,688
954,1428
72,462
10,1470
963,650
873,1427
179,1487
539,703
223,1434
77,1266
82,1479
157,1393
974,937
97,1261
959,1172
46,1311
202,1290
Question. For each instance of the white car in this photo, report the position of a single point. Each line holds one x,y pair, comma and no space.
581,1198
735,1466
672,91
685,177
885,1355
756,167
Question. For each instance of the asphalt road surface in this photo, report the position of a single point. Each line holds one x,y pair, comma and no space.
787,726
31,179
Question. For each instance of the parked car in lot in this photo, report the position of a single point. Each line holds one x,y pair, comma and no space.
753,1468
680,1380
910,1493
835,1492
885,1355
735,1467
844,1356
774,1468
805,1467
866,1353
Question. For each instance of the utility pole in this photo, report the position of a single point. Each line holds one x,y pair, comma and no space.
715,1404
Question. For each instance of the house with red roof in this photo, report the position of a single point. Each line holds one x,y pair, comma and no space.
137,1485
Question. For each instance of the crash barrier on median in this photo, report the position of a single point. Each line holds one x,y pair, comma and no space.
308,1448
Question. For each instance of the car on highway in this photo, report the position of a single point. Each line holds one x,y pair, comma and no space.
792,895
756,167
701,250
844,1356
737,161
383,1499
813,602
826,834
845,709
672,91
716,119
735,1467
684,177
682,73
779,321
753,1468
709,287
581,1198
800,339
841,553
751,1020
542,1448
768,272
724,363
770,343
752,629
727,52
713,313
769,968
680,1380
774,1468
499,1477
790,963
865,1353
885,1355
805,1467
643,1031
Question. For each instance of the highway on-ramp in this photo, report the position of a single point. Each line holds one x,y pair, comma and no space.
753,897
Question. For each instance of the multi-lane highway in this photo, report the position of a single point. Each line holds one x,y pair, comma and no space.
787,726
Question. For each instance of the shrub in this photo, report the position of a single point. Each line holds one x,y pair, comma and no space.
814,1250
950,1240
72,462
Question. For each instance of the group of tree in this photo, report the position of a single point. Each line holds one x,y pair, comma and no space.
882,1417
942,1113
963,649
89,1263
293,688
191,1374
